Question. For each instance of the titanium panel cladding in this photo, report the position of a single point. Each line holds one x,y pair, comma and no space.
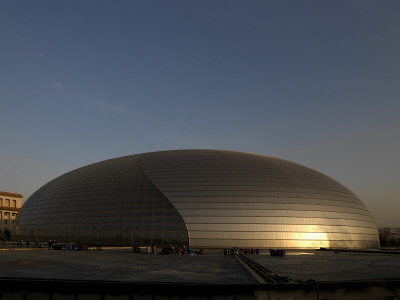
107,203
201,198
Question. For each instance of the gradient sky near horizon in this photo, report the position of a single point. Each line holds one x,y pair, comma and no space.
313,82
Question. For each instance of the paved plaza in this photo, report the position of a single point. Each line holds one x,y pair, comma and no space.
123,265
213,267
333,265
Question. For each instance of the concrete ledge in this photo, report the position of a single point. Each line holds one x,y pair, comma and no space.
381,251
25,288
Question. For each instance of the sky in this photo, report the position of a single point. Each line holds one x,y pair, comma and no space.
313,82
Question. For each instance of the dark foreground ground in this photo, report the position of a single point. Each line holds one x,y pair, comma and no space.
123,265
121,274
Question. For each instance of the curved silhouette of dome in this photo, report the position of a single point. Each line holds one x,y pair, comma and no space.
201,198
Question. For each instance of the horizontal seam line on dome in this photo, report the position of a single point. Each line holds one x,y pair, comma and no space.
277,216
173,189
290,232
286,201
216,196
240,184
257,209
198,211
239,172
250,169
160,172
267,202
230,192
215,179
200,230
204,178
249,218
247,208
285,223
257,191
306,240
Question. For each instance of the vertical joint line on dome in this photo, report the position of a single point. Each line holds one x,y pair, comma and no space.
157,187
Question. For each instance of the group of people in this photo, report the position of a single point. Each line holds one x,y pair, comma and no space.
52,245
183,250
177,250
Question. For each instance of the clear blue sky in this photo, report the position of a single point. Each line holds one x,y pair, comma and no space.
314,82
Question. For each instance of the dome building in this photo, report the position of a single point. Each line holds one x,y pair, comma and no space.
200,198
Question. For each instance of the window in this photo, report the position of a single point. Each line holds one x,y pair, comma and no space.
7,202
14,203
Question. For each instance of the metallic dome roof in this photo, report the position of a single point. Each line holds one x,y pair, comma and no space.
201,198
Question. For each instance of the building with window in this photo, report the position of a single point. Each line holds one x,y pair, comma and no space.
198,198
10,204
